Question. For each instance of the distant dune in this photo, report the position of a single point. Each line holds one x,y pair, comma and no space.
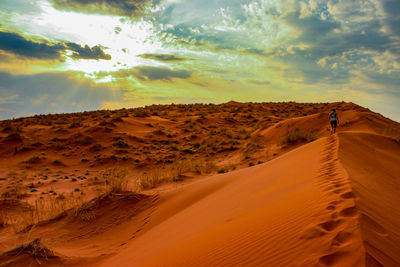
237,184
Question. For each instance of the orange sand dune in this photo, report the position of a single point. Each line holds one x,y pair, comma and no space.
373,163
297,210
331,202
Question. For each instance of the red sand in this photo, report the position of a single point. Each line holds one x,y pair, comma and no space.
332,202
287,212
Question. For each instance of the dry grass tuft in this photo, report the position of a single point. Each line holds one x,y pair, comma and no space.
35,248
115,181
16,191
298,135
174,173
44,210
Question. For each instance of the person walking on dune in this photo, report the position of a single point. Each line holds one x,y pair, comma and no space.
334,119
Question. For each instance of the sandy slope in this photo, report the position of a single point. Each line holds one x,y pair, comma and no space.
288,212
331,202
373,163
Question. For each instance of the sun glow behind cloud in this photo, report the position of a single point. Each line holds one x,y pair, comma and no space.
124,40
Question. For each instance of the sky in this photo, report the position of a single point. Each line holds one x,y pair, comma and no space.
59,56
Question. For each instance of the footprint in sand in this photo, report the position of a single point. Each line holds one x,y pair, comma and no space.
312,232
347,195
341,238
330,207
333,258
330,225
349,212
337,191
335,202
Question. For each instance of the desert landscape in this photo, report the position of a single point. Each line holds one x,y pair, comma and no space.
233,184
166,133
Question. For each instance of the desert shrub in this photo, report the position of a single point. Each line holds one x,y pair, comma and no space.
251,148
34,248
116,119
33,160
299,135
141,112
15,191
96,147
151,179
174,172
223,170
44,209
85,141
120,144
58,162
115,180
75,124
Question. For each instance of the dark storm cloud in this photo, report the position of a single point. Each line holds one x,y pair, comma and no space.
313,27
324,41
154,73
85,52
326,38
163,57
129,8
17,44
50,92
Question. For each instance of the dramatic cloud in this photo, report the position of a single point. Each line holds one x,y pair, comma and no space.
129,8
163,57
154,73
23,95
19,45
86,52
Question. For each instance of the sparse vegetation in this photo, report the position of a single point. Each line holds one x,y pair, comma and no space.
182,142
34,249
299,135
15,191
33,160
174,173
115,181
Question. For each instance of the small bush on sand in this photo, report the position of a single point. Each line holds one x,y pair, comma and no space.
174,173
115,181
151,180
33,160
251,148
85,141
16,191
140,112
120,144
42,210
96,148
298,135
34,248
